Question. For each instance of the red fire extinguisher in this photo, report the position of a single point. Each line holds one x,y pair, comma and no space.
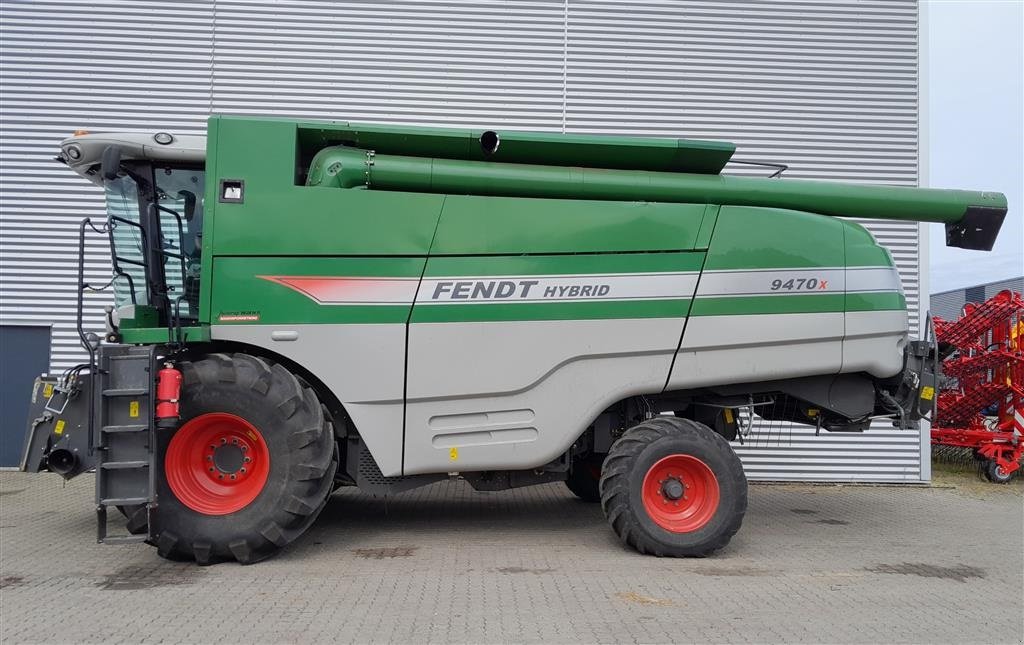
168,389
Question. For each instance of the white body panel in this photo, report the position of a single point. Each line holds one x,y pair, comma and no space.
874,342
719,350
515,395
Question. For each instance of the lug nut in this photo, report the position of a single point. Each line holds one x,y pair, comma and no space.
243,469
248,459
232,476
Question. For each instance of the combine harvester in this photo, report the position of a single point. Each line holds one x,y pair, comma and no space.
984,364
303,306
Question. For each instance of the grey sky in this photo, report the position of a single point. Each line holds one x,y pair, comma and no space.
974,79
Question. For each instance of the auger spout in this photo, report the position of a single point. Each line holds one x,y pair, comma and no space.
972,218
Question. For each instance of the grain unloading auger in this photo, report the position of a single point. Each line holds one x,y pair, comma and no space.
301,306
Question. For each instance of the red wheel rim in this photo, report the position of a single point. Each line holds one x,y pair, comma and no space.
217,463
680,493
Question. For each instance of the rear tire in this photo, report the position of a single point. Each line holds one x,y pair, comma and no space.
673,487
250,466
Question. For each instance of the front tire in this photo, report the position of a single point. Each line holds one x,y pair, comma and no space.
250,466
673,487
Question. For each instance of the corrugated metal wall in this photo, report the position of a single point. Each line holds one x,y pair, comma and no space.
827,87
949,303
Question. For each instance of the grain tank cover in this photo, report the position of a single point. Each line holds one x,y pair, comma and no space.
506,146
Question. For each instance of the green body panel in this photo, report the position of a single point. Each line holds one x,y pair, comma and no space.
861,248
787,304
277,217
143,316
766,238
509,225
555,149
564,264
151,335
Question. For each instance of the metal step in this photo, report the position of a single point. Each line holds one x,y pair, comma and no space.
123,501
135,428
121,465
123,539
126,391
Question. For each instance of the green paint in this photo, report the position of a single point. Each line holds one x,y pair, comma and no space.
795,304
553,149
150,335
551,311
145,316
861,248
887,301
769,238
563,264
508,225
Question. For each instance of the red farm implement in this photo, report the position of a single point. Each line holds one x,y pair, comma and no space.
980,404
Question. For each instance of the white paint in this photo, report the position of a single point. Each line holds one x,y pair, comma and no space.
566,372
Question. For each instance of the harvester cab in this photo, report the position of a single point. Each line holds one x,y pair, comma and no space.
300,306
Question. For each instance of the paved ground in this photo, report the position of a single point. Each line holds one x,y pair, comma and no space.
811,564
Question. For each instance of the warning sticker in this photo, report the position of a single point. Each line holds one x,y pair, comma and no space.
927,393
133,409
59,428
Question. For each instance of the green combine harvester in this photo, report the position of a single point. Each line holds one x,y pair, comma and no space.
303,306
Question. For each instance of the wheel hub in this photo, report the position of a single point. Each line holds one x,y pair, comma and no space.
217,463
680,493
672,488
228,459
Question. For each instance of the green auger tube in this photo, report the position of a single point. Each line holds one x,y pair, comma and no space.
972,218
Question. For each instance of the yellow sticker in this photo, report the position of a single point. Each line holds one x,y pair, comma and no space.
48,390
133,409
927,393
813,412
728,415
453,454
59,428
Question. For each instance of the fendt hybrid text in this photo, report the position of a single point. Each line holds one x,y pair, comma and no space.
302,306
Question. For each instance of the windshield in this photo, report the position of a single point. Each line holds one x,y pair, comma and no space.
175,207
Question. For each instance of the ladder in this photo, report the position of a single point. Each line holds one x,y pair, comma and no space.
125,436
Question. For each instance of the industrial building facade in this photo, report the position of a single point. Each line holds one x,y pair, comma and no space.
949,304
829,88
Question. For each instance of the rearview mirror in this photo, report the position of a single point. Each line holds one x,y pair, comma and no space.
110,163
